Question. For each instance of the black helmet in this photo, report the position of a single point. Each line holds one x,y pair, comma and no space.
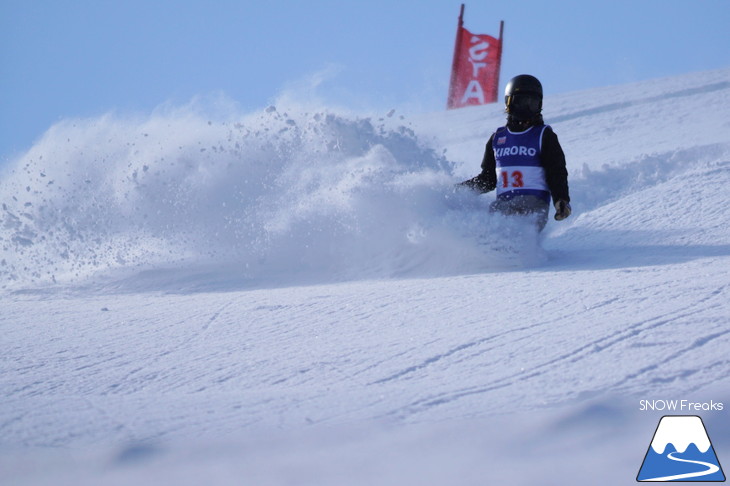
523,97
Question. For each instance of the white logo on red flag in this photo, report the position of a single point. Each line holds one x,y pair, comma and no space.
475,69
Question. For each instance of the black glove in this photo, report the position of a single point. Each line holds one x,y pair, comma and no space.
476,184
562,210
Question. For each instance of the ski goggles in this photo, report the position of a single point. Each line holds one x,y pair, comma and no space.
523,103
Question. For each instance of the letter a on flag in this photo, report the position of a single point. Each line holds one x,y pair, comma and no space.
475,68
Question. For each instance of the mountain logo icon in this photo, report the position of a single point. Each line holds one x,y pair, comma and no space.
681,451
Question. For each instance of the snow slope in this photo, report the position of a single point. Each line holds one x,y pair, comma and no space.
299,296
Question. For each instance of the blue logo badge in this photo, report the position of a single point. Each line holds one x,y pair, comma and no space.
681,451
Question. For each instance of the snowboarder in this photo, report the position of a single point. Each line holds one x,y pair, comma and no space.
523,160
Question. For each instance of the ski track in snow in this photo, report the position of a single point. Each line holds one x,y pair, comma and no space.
711,469
185,309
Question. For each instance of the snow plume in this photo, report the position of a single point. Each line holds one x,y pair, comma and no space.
301,194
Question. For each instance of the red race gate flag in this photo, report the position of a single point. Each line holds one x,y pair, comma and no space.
475,69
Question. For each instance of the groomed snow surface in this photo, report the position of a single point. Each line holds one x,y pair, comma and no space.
300,296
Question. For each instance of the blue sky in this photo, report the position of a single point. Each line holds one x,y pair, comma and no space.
79,58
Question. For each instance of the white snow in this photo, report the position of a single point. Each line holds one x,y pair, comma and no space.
681,431
299,296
